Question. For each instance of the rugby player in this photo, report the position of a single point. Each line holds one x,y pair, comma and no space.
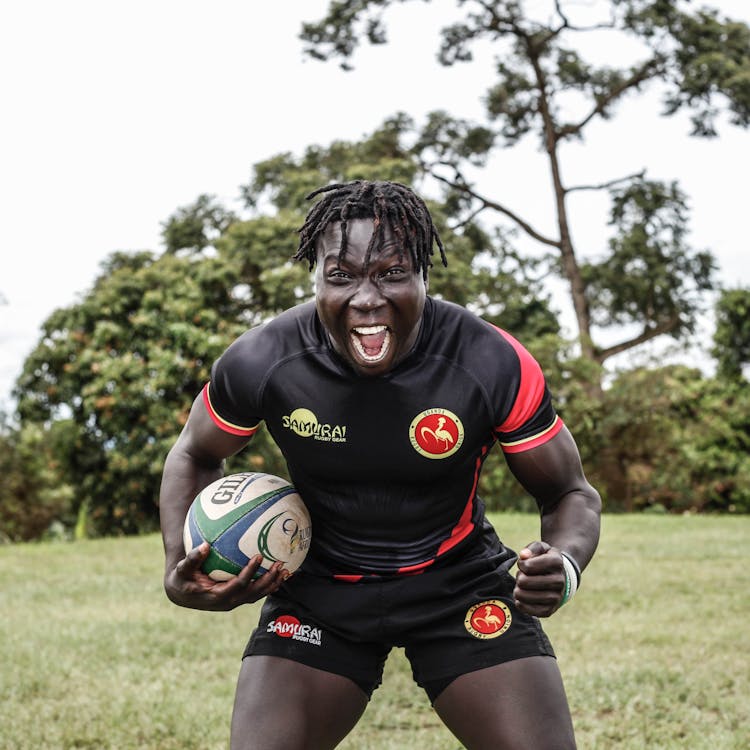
385,403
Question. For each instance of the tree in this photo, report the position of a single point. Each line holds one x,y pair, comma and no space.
702,62
120,368
195,227
484,272
671,439
732,334
33,490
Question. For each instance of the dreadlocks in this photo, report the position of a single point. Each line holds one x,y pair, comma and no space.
389,204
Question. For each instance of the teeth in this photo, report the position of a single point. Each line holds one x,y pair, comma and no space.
369,330
361,350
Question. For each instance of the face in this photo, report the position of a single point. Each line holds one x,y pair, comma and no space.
373,313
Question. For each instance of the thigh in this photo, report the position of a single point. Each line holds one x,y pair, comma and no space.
280,704
292,629
519,704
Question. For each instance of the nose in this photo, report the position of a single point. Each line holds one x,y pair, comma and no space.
367,295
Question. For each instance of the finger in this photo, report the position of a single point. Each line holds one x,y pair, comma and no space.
539,595
238,585
249,572
552,582
537,599
547,563
248,587
270,581
533,549
537,610
193,560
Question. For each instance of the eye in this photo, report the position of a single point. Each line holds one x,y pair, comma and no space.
336,274
393,273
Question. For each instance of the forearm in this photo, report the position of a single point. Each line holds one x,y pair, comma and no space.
570,507
182,480
573,524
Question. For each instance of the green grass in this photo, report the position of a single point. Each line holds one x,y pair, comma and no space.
655,649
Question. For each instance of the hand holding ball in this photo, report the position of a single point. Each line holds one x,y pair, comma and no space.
243,515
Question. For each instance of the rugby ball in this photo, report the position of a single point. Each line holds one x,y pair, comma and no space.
242,515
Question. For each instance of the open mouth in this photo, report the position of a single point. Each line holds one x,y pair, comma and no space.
371,342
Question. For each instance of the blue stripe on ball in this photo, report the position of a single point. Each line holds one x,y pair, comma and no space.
227,543
196,537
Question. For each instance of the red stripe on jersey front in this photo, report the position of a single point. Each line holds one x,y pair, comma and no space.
531,390
222,424
460,531
412,570
464,527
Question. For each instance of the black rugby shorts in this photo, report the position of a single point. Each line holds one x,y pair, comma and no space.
450,620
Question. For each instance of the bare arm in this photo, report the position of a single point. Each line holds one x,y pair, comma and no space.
570,520
196,460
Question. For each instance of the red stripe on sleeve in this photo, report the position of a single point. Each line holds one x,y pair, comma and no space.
222,424
535,440
531,389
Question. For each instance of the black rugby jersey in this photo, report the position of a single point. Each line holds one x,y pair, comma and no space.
388,466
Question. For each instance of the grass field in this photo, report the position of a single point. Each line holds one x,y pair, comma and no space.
655,649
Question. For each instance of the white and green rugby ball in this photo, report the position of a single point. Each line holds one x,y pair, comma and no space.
242,515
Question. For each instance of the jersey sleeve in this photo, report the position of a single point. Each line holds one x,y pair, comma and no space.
230,397
531,419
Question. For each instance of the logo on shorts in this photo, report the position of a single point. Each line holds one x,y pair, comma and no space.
288,626
436,433
488,619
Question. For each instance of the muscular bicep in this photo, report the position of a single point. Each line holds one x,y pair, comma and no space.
550,471
194,461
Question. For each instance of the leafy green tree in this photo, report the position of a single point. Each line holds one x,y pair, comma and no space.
732,334
671,439
124,365
195,227
702,63
33,491
484,272
716,419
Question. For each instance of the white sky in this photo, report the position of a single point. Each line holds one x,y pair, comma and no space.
117,113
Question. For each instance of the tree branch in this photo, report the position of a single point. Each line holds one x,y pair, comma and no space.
567,25
604,185
646,71
646,335
497,23
460,224
486,203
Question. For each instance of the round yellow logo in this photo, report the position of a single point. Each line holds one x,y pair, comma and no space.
436,433
488,619
303,422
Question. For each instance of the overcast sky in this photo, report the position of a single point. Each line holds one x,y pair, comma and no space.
117,113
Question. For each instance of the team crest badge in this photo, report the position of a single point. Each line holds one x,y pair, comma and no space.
436,433
488,619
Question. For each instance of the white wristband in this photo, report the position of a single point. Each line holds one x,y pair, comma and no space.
571,580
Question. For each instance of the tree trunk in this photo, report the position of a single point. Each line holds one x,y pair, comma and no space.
570,266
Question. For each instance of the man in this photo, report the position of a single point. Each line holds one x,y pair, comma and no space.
406,395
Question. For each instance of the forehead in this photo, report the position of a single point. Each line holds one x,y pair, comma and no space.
358,235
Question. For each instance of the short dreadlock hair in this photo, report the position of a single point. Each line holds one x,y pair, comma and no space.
388,204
